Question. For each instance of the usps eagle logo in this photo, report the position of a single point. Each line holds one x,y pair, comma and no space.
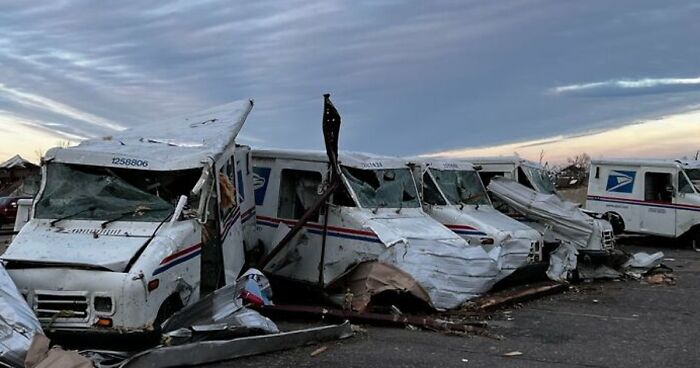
620,181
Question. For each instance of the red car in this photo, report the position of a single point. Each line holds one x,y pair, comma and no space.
8,210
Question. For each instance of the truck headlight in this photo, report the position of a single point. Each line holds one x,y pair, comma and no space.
103,304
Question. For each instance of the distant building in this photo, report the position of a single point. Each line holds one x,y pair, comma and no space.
13,174
573,175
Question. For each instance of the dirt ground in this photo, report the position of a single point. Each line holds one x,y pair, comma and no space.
601,324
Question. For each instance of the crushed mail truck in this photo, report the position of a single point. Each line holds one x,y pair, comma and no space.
453,194
525,172
659,197
375,216
126,229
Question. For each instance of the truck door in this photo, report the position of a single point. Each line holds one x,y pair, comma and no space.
230,232
658,215
246,195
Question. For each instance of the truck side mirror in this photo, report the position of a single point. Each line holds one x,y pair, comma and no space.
669,189
181,202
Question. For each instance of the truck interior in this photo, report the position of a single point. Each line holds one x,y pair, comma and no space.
298,192
658,187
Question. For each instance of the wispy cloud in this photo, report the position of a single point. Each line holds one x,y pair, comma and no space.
40,102
626,87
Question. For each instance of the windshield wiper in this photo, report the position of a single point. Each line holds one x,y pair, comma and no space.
54,222
138,210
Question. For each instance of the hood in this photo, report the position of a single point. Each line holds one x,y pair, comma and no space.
109,249
391,230
486,219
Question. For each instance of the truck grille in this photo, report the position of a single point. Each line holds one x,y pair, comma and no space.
61,306
608,240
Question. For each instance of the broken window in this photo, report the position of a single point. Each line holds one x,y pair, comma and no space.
539,179
431,193
101,193
298,192
486,176
694,176
392,188
658,187
461,186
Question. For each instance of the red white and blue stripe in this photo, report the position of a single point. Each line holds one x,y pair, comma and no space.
675,206
465,230
315,228
178,257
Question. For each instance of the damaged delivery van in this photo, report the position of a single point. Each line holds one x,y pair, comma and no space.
374,218
127,229
659,197
525,172
452,193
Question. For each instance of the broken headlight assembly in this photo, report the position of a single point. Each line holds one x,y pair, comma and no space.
103,304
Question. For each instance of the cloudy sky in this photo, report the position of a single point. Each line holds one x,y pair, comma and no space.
408,77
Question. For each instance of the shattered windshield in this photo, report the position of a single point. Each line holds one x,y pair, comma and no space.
539,179
393,188
694,176
461,186
100,193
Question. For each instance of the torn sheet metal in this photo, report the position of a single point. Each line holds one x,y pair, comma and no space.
214,351
372,278
450,272
18,324
562,262
220,314
566,221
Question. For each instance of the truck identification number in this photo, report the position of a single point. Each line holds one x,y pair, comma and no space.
129,162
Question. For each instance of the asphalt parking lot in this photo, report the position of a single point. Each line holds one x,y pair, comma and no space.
601,324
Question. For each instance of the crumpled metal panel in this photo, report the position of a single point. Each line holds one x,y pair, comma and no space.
562,262
565,219
18,324
448,270
220,313
213,351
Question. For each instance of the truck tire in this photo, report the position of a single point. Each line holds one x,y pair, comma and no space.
618,224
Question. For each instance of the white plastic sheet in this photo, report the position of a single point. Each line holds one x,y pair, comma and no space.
18,324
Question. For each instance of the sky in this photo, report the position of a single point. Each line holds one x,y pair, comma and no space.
408,77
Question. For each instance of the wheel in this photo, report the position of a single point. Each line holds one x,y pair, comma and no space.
618,224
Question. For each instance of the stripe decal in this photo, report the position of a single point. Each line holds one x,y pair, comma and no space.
248,214
464,230
178,258
684,207
317,229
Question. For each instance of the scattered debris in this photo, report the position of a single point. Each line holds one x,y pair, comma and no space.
516,295
319,351
562,262
400,320
660,279
644,261
513,354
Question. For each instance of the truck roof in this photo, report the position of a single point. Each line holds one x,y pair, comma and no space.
690,164
443,163
360,160
515,160
180,143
